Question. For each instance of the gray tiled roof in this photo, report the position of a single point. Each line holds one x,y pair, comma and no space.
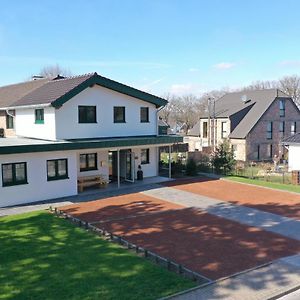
52,90
262,100
294,139
12,93
59,90
257,101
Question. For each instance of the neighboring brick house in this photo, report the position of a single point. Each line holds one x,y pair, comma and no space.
255,122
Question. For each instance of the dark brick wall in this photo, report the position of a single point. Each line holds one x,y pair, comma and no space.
258,135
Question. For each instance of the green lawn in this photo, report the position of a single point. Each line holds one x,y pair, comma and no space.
279,186
44,257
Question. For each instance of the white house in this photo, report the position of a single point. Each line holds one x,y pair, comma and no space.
58,130
293,144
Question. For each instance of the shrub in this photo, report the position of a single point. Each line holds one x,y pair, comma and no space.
191,168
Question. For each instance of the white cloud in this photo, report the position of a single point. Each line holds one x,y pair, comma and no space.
193,69
290,63
186,88
147,86
224,66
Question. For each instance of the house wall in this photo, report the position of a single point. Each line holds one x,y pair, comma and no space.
194,142
239,146
7,132
258,135
102,160
67,126
38,188
25,124
150,169
293,157
215,131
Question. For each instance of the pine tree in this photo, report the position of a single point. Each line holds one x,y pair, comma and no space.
223,158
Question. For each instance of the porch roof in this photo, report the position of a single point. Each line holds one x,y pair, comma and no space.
17,145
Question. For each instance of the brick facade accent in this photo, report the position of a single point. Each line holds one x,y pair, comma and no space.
258,135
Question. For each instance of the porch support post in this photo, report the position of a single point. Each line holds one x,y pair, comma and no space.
170,162
118,167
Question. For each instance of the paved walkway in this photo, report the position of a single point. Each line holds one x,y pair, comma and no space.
242,214
28,208
265,283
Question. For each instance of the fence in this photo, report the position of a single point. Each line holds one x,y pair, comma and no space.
149,255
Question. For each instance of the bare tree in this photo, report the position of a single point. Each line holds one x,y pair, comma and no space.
52,71
291,86
260,85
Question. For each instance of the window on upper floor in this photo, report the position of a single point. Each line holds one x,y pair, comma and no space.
269,130
144,114
145,156
204,130
87,114
39,116
281,108
14,174
88,162
223,130
293,128
119,114
57,169
9,122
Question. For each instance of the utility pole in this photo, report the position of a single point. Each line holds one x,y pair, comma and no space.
208,123
211,119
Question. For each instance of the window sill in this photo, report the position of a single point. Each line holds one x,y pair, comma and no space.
145,121
87,122
90,169
145,163
13,184
119,122
57,178
39,122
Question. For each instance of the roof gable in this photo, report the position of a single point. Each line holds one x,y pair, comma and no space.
57,92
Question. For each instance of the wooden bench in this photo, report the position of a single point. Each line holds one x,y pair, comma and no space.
87,181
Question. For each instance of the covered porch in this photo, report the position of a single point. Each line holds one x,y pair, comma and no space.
122,166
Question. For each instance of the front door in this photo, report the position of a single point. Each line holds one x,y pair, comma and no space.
129,166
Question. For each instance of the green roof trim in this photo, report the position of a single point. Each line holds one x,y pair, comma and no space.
112,85
90,144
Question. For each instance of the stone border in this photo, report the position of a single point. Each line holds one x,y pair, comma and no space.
147,254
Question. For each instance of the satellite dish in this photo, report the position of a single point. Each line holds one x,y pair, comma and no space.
244,98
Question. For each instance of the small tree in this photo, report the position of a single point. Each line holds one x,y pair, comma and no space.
223,158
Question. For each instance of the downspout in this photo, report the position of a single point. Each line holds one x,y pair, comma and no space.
157,119
9,114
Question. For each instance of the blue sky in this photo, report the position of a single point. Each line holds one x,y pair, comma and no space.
159,46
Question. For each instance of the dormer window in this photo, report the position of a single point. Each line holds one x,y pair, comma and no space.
39,116
281,108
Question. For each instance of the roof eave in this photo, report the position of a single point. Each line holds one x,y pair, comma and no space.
112,85
26,106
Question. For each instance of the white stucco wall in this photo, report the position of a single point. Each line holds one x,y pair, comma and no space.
67,126
102,160
294,157
38,188
150,169
25,124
